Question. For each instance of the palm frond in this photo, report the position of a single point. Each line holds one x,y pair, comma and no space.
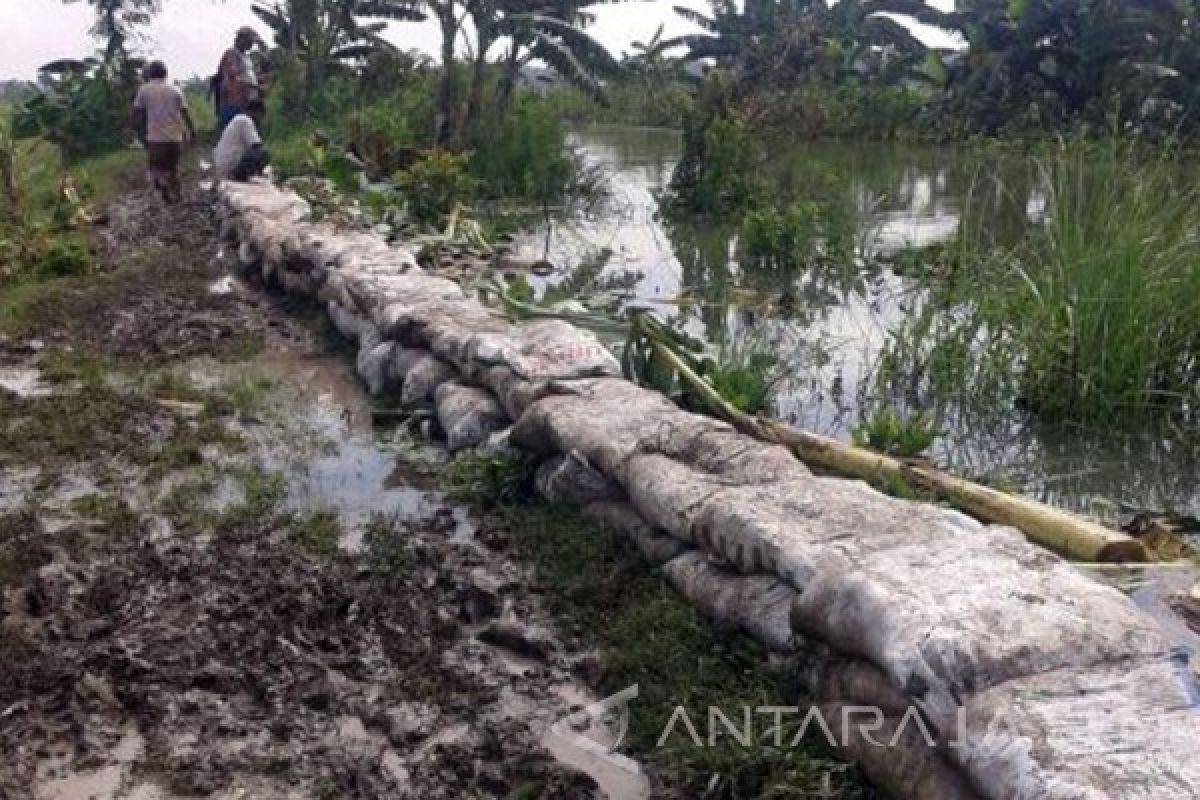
580,43
697,18
564,62
399,10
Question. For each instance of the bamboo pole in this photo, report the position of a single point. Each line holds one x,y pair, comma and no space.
1050,527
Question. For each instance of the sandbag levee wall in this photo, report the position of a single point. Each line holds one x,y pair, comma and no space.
1038,682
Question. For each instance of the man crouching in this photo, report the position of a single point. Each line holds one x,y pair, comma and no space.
240,154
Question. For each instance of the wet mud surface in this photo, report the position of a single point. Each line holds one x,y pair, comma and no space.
315,628
241,661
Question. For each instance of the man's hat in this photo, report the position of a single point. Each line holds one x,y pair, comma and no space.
246,30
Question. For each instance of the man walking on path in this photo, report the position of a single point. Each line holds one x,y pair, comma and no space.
163,124
237,79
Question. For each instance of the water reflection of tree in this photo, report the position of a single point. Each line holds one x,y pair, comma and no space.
703,252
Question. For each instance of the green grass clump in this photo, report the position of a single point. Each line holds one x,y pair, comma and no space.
320,531
649,635
887,432
1095,315
263,491
747,384
796,237
490,479
112,512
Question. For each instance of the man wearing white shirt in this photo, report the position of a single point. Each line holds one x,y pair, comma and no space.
240,154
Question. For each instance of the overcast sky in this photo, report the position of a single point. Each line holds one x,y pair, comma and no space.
190,35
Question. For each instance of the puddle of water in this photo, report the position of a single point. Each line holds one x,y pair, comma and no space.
352,474
24,382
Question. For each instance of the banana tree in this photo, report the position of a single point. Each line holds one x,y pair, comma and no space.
323,36
1077,54
553,32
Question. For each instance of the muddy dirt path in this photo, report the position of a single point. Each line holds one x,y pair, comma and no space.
213,584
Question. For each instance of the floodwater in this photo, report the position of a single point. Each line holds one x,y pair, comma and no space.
836,326
353,470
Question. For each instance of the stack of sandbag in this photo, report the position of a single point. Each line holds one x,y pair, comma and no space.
1009,655
991,669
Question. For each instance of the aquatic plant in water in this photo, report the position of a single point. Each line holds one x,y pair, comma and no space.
888,432
795,237
1095,314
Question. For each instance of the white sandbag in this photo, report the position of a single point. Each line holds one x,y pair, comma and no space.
374,358
468,415
546,350
347,323
758,604
1122,731
611,420
571,480
403,359
333,290
896,754
942,610
422,380
263,198
979,612
428,315
849,681
514,392
655,547
380,291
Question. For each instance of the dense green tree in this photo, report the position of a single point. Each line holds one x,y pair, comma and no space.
1047,62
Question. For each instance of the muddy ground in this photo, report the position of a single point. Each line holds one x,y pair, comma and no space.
219,580
167,637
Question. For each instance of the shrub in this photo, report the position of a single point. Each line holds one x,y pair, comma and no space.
747,384
887,432
84,112
794,238
436,184
525,156
383,135
719,169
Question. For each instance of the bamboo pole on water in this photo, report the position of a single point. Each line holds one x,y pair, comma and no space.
1050,527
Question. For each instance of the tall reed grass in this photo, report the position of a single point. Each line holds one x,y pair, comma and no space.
1095,314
